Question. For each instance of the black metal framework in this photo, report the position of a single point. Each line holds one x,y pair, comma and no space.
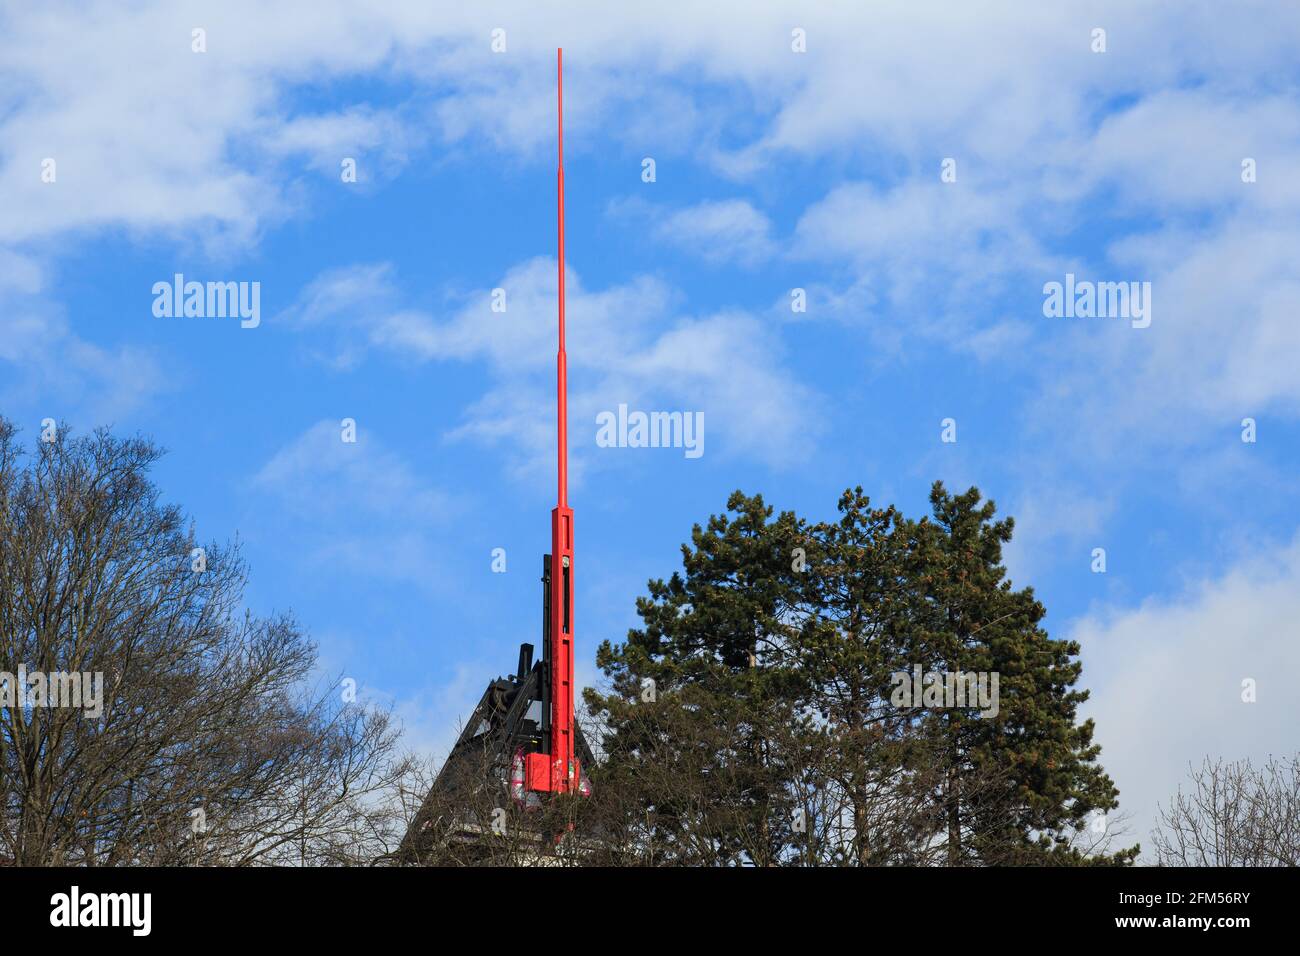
498,727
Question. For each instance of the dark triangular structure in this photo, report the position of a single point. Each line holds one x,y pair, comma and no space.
510,718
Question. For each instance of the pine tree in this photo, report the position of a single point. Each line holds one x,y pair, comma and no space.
703,691
965,616
773,658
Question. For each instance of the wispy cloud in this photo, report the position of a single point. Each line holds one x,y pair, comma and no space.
324,474
717,231
52,371
635,348
355,506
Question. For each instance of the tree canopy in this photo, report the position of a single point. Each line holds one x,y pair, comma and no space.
756,706
210,741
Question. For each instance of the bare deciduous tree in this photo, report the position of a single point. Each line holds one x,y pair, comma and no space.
1233,815
208,746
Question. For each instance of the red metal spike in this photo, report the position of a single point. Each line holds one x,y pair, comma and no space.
565,773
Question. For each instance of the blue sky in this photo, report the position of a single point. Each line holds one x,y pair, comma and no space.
775,170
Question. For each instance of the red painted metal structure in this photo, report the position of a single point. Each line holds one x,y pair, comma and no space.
522,732
558,771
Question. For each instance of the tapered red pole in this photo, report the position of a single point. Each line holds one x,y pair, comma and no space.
565,773
561,365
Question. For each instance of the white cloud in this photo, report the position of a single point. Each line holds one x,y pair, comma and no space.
376,143
604,323
1166,678
320,472
1223,343
1055,521
52,371
930,261
627,345
717,231
19,274
355,506
339,308
150,135
1180,150
153,137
